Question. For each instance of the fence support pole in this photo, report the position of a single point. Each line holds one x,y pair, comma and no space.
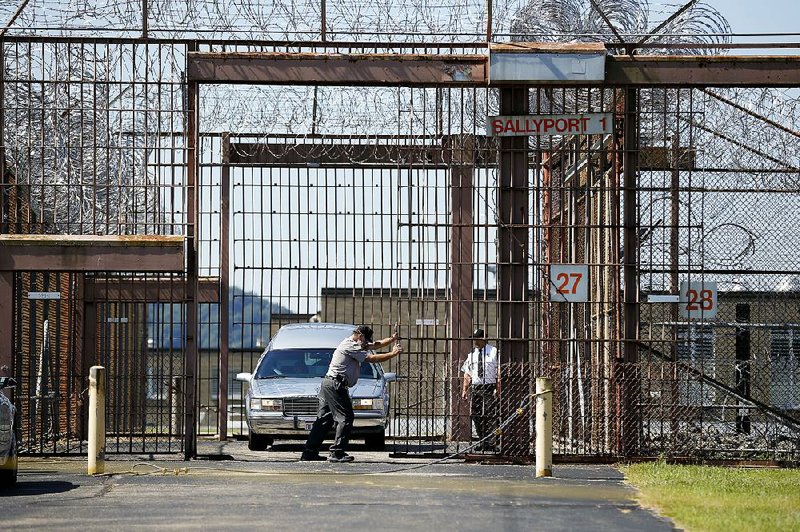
97,420
544,428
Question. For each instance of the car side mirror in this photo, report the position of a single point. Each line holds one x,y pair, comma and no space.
7,382
244,377
390,377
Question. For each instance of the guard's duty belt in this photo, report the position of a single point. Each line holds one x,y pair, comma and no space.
341,380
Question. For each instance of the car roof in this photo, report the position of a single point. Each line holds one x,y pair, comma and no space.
311,335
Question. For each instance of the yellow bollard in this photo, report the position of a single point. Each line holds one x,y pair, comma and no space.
544,428
97,420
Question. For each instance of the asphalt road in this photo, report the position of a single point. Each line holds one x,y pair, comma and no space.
273,491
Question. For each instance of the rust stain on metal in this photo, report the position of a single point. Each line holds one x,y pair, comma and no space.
547,47
90,240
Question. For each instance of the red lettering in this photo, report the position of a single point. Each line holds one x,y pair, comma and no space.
548,124
497,126
528,124
584,123
574,125
536,125
509,126
561,125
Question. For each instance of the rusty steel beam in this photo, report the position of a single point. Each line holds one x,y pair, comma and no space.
276,68
149,290
85,253
366,154
472,69
704,71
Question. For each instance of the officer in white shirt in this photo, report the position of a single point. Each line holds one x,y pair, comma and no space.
481,383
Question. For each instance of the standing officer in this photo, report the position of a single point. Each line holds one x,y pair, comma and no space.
335,404
480,380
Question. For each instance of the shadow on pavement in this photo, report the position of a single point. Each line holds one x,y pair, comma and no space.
38,487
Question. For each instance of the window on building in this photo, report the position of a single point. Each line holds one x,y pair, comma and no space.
785,368
696,349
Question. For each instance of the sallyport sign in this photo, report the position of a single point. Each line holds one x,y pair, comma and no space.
580,124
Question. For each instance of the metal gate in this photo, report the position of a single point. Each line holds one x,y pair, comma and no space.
388,203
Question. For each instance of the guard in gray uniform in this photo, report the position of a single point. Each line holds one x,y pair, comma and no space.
335,405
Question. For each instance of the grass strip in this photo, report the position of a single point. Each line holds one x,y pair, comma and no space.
705,498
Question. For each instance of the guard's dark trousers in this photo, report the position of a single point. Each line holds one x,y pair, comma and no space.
336,406
484,410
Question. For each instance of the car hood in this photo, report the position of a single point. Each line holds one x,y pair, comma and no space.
293,387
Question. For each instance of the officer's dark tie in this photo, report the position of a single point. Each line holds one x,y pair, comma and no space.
480,363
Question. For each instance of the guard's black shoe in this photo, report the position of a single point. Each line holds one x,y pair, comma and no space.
309,456
340,457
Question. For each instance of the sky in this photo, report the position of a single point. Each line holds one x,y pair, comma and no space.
760,16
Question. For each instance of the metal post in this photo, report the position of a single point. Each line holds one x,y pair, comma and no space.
97,420
630,388
544,427
145,29
224,266
323,22
630,222
192,231
461,279
512,273
489,21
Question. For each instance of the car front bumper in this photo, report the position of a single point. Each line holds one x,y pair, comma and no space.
279,425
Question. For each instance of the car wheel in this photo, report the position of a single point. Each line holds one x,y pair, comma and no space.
376,442
8,475
258,442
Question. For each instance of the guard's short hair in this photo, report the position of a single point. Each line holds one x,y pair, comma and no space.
366,330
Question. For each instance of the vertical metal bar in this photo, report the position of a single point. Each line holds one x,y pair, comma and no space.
7,324
224,258
489,21
512,236
190,348
630,275
323,32
89,354
145,30
461,306
5,186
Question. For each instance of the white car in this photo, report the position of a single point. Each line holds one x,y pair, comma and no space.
281,401
8,436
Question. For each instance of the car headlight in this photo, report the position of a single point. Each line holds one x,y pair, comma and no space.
373,403
270,405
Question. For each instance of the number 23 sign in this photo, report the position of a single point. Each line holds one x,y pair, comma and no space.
569,282
698,300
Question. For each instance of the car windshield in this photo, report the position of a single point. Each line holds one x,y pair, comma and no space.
303,363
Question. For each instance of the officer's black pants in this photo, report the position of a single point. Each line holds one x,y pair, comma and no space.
484,409
335,406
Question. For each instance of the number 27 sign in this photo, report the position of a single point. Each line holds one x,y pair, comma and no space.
698,300
569,282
